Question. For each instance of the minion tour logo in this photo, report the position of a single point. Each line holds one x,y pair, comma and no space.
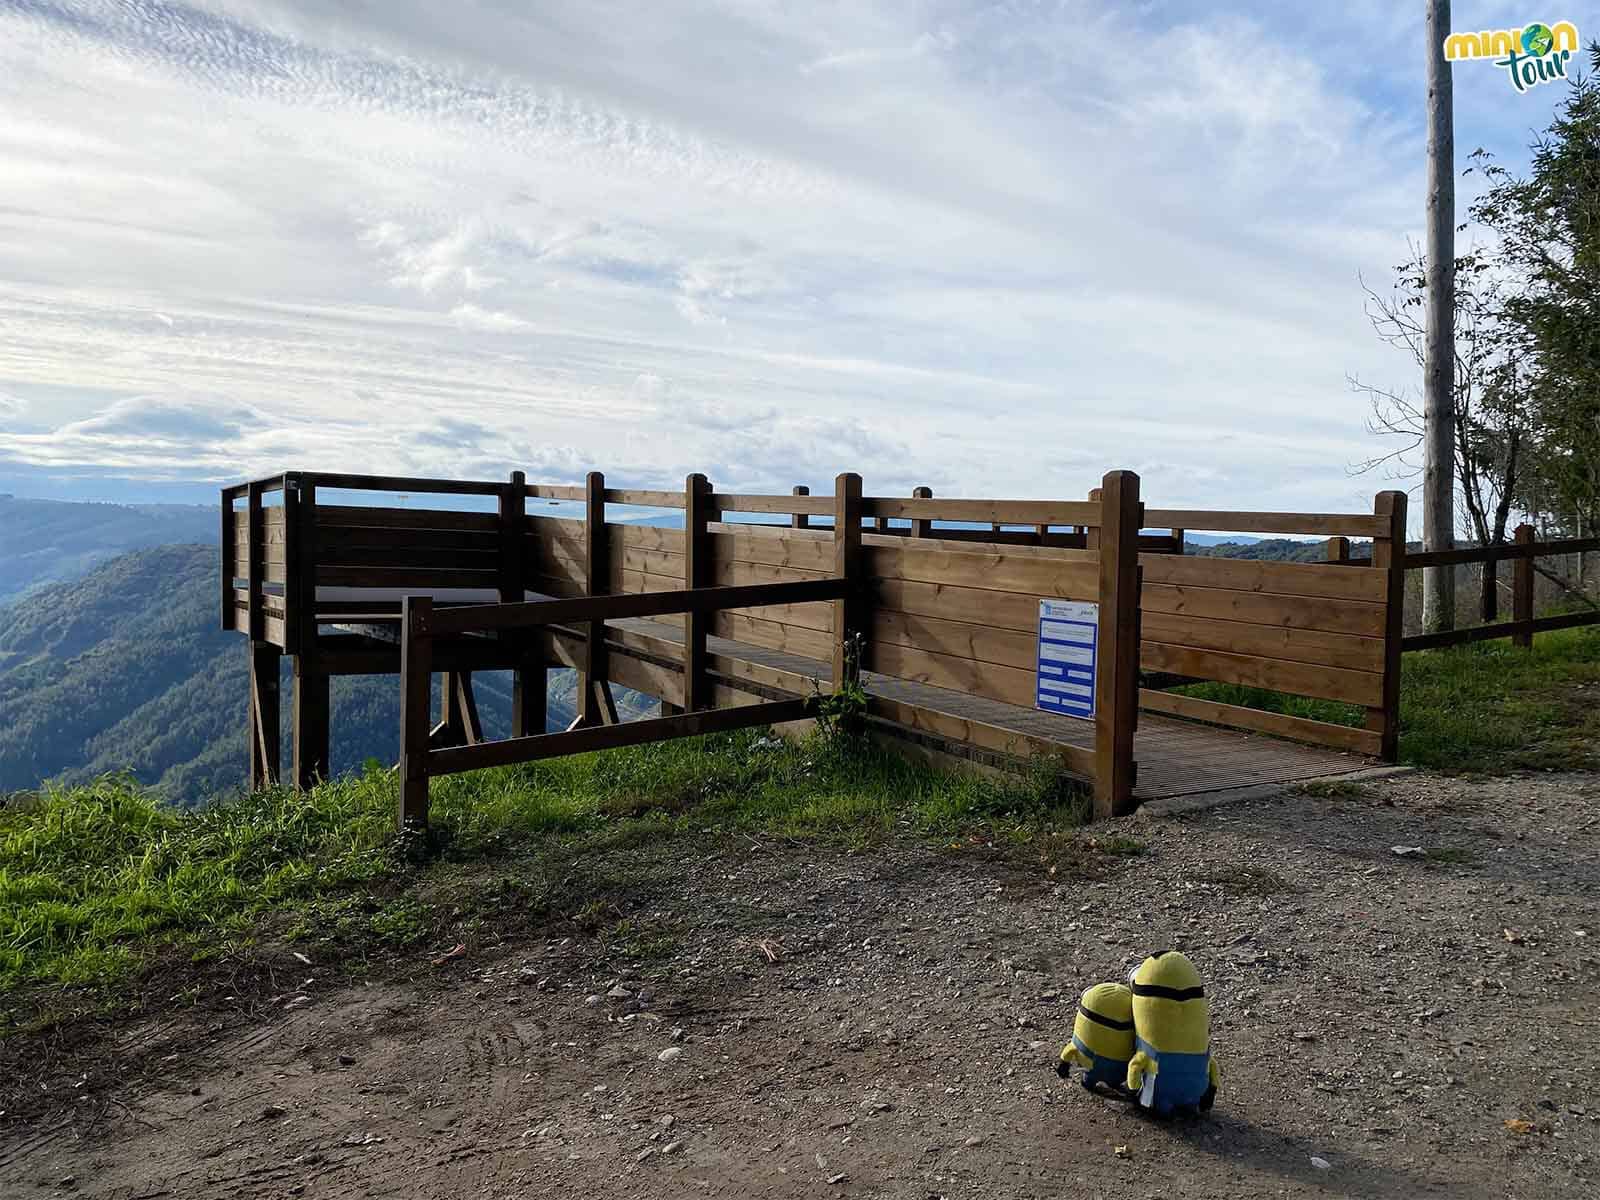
1535,54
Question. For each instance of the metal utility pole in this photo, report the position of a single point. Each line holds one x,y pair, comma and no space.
1439,360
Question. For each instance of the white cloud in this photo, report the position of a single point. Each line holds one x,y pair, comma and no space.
951,244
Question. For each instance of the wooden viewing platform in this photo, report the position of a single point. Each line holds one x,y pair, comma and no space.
729,623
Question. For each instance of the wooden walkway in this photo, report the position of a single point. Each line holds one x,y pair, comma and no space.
1175,758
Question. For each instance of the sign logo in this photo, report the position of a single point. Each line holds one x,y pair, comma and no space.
1532,55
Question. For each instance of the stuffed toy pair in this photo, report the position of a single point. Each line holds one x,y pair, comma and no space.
1148,1041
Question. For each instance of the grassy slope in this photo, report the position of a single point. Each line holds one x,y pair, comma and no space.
97,881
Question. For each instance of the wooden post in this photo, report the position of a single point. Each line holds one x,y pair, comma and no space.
529,713
300,603
1178,535
1489,589
1522,591
697,573
1337,550
800,520
592,690
416,695
265,746
1389,554
1117,660
1091,533
229,618
848,614
920,526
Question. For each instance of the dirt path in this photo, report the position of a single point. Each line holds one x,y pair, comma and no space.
1386,1015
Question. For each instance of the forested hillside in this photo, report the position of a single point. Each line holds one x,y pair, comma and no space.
126,669
45,541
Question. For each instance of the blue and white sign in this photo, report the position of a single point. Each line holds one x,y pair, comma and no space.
1069,643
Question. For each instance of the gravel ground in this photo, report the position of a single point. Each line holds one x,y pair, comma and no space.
1385,1026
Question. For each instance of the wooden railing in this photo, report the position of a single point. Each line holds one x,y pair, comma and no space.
1521,553
421,625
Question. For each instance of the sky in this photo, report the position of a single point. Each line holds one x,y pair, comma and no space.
993,248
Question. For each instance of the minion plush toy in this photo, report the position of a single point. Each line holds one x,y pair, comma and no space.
1102,1037
1172,1067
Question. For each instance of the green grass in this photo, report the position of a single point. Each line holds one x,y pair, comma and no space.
1484,708
99,881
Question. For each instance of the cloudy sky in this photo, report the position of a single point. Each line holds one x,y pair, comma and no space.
996,248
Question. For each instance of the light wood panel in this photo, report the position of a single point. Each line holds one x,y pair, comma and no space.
794,639
962,639
1005,684
1322,524
1285,579
1330,616
1300,679
1267,641
1046,574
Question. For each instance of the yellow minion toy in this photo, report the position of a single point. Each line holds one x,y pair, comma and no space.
1102,1037
1172,1067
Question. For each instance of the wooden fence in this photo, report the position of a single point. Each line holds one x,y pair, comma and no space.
1522,553
732,615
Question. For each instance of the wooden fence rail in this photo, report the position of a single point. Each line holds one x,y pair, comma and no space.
421,624
1521,553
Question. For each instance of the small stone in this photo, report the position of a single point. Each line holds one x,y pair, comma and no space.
592,1000
1122,1152
975,1140
839,1178
273,1111
1321,1164
1407,851
670,1053
672,1147
347,1060
668,1121
619,993
1305,1036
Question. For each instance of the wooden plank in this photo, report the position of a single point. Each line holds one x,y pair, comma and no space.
397,558
488,617
647,537
645,499
665,682
271,517
406,577
552,585
334,538
1504,552
650,562
813,533
1357,617
1013,512
960,639
1300,729
1002,610
562,558
1266,641
556,491
1320,580
1005,684
813,555
817,617
403,483
973,732
454,759
1323,524
817,506
807,643
1300,679
1000,571
351,517
634,582
557,527
1117,674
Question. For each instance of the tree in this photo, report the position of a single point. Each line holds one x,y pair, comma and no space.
1548,230
1487,401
